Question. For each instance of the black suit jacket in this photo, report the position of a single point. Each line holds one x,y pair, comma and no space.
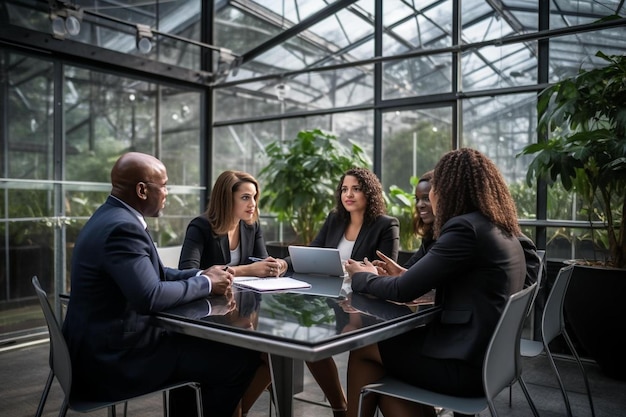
117,281
474,268
203,249
383,235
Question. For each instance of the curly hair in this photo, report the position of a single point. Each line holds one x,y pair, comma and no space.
373,190
464,181
420,228
220,210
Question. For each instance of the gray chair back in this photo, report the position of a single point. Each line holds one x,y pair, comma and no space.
502,361
60,360
553,321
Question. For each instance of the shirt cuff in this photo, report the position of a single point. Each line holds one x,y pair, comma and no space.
207,278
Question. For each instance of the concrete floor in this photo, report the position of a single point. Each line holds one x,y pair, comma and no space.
23,372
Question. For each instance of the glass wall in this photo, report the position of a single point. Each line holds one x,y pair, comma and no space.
52,178
433,76
407,81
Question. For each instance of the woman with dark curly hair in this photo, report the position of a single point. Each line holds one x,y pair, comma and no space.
358,226
475,263
423,220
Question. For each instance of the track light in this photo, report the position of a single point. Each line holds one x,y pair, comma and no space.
282,90
144,38
66,19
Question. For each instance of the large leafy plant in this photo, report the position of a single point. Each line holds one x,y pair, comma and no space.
586,117
301,177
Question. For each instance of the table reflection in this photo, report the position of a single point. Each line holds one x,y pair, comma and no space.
297,317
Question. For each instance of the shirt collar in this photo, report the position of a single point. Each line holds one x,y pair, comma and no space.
135,212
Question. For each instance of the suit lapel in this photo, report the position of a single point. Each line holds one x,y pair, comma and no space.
360,238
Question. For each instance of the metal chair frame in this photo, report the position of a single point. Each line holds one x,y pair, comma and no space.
501,368
61,368
553,325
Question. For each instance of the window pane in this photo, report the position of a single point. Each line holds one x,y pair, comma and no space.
426,26
417,76
500,127
313,91
499,67
413,142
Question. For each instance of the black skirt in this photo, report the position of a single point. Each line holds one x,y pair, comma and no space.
402,358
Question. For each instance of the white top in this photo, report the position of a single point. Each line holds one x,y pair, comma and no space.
235,256
345,247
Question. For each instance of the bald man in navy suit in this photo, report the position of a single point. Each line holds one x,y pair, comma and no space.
118,281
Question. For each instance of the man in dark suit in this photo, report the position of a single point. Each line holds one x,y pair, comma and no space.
118,281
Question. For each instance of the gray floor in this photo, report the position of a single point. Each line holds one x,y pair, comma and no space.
23,373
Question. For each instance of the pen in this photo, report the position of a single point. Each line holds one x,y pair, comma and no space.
225,268
255,259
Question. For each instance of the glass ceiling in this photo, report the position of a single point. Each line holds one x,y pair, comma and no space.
310,43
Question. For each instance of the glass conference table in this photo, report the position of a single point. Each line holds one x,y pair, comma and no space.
294,327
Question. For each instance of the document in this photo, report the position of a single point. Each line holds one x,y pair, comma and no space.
269,284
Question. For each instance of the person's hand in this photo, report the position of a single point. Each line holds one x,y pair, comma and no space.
352,267
221,278
387,266
268,267
223,304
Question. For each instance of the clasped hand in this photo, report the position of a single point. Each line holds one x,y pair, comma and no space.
221,278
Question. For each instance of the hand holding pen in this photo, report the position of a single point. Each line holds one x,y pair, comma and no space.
267,267
221,278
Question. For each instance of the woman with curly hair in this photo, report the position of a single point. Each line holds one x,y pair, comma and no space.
475,263
358,227
423,220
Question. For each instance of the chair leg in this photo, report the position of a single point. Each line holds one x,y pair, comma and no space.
582,370
271,400
64,407
510,395
364,392
199,408
568,408
112,412
527,395
44,394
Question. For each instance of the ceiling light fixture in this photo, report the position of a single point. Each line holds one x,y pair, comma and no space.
282,90
144,38
66,18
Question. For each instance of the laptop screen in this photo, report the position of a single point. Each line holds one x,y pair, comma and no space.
314,260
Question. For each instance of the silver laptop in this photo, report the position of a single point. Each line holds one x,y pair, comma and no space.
317,261
320,267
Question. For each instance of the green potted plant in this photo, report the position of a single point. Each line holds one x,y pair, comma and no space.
401,205
301,176
586,152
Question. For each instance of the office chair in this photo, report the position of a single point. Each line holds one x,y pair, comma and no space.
531,308
501,368
61,367
553,325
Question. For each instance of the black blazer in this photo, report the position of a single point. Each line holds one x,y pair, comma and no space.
474,267
203,249
383,235
117,281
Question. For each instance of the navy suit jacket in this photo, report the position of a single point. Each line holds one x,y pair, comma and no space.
383,234
474,267
203,249
117,282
